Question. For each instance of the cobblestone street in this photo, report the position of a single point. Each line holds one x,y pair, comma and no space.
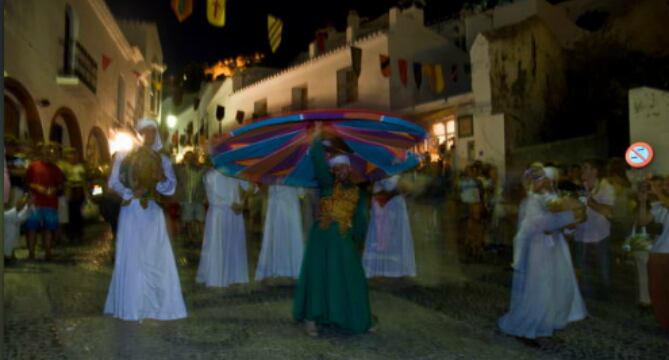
54,311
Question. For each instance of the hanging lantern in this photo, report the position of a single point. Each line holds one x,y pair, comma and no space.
182,9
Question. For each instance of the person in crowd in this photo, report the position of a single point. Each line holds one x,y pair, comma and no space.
283,238
622,216
223,260
46,182
653,199
16,164
145,282
332,288
545,295
75,185
109,201
15,215
389,250
192,198
471,233
592,237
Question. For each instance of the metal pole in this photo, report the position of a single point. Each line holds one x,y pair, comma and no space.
2,182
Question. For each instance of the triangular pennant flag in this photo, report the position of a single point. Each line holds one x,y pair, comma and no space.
439,79
216,12
386,69
418,74
106,60
428,71
356,59
454,73
182,9
274,29
403,67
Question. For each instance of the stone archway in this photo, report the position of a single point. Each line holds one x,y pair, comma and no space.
21,107
97,148
65,130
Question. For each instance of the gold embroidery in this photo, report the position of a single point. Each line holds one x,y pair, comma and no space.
339,207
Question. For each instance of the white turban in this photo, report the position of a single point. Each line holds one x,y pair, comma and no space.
339,160
551,173
146,123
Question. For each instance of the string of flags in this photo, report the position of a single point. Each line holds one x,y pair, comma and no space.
183,9
434,73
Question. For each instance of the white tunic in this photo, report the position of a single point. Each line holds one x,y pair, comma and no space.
13,221
283,239
389,248
661,216
544,295
145,282
223,261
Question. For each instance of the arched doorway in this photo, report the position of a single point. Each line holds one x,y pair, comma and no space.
65,130
21,115
97,149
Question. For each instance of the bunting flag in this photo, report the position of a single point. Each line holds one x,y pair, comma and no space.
356,59
403,67
182,9
428,71
439,85
418,74
454,73
106,61
216,12
274,28
386,69
157,85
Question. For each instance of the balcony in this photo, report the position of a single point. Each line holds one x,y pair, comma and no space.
79,67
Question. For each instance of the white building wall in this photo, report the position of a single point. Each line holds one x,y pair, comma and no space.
319,76
649,122
34,32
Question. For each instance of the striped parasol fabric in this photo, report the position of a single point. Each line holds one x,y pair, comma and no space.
276,150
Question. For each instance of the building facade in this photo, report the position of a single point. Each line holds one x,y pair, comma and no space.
73,77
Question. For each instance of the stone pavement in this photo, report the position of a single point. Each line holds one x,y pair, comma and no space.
54,311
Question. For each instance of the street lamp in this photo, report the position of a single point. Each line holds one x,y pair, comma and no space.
171,121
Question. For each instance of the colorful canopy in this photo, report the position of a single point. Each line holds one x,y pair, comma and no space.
275,150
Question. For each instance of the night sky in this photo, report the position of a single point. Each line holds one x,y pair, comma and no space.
245,31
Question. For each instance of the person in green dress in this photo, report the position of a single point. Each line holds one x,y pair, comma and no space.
332,288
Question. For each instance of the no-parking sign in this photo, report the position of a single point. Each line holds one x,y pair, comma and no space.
639,155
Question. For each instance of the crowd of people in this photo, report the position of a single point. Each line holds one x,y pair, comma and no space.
48,187
562,225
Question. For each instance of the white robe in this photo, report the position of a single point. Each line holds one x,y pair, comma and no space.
145,282
389,248
544,295
283,239
13,221
223,260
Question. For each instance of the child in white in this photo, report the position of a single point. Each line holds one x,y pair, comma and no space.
389,248
223,261
14,217
283,239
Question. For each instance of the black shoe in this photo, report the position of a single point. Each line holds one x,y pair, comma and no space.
529,342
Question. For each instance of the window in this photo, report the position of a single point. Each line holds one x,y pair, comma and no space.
69,41
140,101
299,98
156,90
120,101
444,132
260,108
347,86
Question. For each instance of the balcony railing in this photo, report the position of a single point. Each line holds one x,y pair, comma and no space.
82,66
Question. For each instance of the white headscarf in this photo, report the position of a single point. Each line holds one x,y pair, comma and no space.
145,123
551,173
339,160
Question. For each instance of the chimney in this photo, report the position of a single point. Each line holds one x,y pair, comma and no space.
353,24
312,50
393,16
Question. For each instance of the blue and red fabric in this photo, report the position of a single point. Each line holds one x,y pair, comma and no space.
276,150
